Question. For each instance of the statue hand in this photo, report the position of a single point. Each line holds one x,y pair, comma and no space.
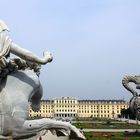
48,56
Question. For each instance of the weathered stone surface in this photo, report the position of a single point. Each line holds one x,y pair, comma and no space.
19,84
134,103
48,136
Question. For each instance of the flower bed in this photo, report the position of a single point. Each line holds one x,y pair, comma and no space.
109,136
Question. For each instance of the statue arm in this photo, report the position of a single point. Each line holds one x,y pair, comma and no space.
29,56
126,80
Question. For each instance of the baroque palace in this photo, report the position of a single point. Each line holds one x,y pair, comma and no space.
72,107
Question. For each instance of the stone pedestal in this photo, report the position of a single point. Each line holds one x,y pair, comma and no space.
48,136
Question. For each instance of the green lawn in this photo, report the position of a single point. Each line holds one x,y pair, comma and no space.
92,119
109,136
107,126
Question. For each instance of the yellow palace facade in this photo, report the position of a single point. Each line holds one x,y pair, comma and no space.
72,107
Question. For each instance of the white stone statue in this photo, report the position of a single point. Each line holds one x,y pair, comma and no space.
20,84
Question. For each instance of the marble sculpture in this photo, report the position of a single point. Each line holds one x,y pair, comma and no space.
19,85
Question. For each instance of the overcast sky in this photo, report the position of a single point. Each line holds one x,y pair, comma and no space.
95,43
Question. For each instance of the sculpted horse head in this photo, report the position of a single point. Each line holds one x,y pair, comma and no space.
134,103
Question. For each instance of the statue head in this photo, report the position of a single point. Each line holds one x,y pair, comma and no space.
134,106
3,26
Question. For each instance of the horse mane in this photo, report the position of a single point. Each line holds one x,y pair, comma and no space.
19,64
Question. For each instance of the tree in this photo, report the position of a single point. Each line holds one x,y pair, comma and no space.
127,113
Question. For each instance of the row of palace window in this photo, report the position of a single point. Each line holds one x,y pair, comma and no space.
87,111
66,106
97,116
65,101
65,110
97,106
58,106
44,111
79,111
74,115
82,106
105,109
